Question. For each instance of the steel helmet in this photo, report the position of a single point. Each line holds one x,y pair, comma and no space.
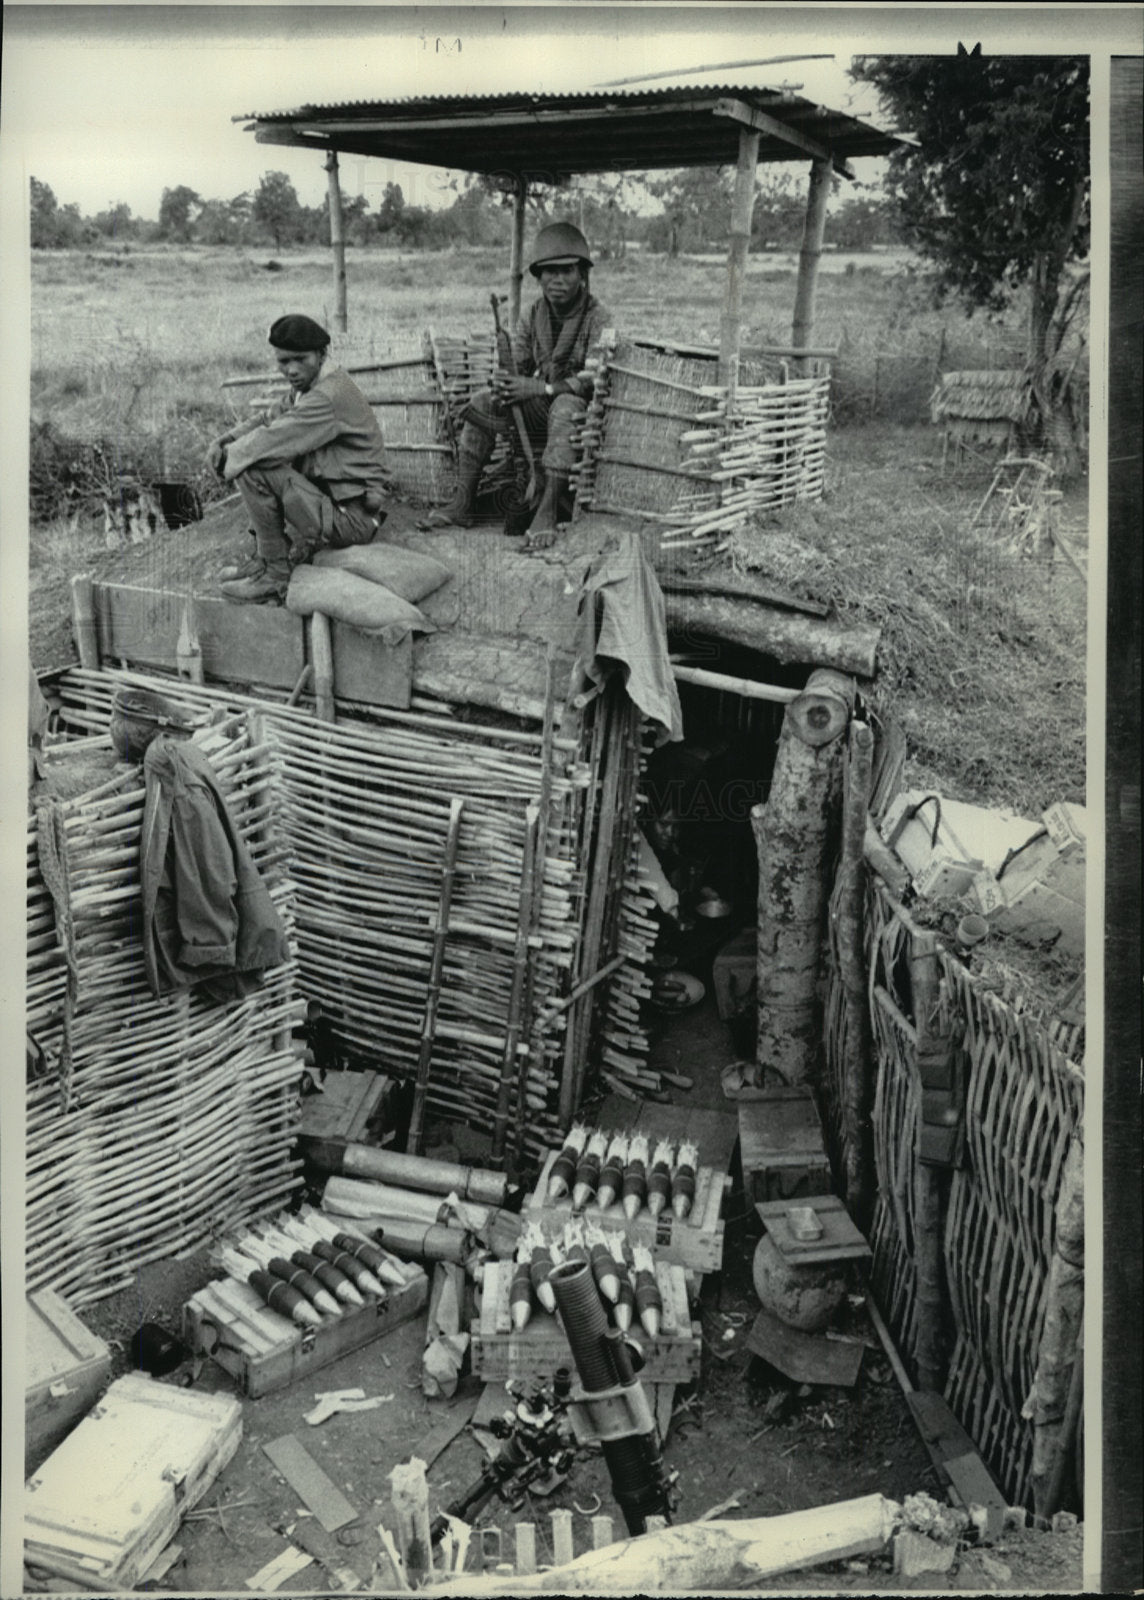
557,245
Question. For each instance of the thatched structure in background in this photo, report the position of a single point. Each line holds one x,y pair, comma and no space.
982,408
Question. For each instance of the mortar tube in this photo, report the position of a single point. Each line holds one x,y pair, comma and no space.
635,1462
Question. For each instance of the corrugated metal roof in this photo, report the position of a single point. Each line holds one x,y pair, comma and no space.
584,131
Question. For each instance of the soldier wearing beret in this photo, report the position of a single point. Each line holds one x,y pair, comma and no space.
311,472
551,385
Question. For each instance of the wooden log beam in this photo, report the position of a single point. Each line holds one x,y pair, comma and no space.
713,1557
811,641
795,835
858,1055
748,117
818,195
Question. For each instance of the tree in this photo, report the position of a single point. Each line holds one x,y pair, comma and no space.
55,227
117,222
996,190
175,213
696,206
276,207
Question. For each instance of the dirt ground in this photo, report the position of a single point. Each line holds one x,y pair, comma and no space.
742,1434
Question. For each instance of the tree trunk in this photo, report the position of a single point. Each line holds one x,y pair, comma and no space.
796,834
813,641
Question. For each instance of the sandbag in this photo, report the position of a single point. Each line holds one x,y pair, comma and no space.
347,598
408,573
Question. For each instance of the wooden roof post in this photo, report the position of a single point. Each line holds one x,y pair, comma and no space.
516,260
337,241
802,333
742,207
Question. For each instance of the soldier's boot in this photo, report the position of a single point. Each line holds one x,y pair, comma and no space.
265,587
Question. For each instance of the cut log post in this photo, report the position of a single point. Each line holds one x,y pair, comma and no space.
788,636
930,1188
322,652
742,205
337,240
1054,1403
713,1557
850,905
796,834
802,331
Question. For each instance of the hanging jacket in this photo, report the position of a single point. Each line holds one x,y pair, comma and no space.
208,920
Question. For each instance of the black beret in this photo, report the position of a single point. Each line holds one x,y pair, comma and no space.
297,332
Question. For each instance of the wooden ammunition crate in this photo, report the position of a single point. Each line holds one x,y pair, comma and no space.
103,1506
67,1366
782,1146
264,1351
695,1243
541,1346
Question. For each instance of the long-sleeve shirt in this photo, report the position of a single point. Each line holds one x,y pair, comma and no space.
329,434
537,344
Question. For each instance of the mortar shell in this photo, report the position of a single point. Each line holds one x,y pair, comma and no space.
683,1191
305,1283
352,1267
611,1177
538,1269
658,1188
370,1256
329,1276
604,1272
284,1299
562,1173
649,1303
635,1188
587,1177
625,1305
520,1295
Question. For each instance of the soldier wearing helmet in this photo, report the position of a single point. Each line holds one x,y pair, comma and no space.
551,385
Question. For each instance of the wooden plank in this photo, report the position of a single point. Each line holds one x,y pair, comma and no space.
369,671
955,1456
239,644
319,1493
446,1429
840,1241
748,117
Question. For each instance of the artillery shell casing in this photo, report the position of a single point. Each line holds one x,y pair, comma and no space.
587,1178
288,1302
329,1277
520,1295
611,1177
562,1173
649,1303
658,1188
538,1269
635,1188
625,1305
604,1272
683,1191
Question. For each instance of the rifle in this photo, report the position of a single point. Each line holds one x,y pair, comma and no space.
505,360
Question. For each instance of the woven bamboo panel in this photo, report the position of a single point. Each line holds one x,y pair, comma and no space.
362,811
663,440
161,1119
1024,1102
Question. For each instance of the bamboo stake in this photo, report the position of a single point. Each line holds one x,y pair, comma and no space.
524,914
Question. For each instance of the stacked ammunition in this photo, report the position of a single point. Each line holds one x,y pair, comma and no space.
308,1269
624,1167
624,1274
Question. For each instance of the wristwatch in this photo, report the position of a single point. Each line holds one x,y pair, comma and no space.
549,391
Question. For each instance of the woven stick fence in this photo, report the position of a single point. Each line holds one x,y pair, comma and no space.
362,814
161,1119
1024,1106
663,442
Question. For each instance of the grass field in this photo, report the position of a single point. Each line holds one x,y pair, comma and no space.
983,649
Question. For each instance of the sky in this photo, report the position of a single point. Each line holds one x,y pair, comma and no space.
111,103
